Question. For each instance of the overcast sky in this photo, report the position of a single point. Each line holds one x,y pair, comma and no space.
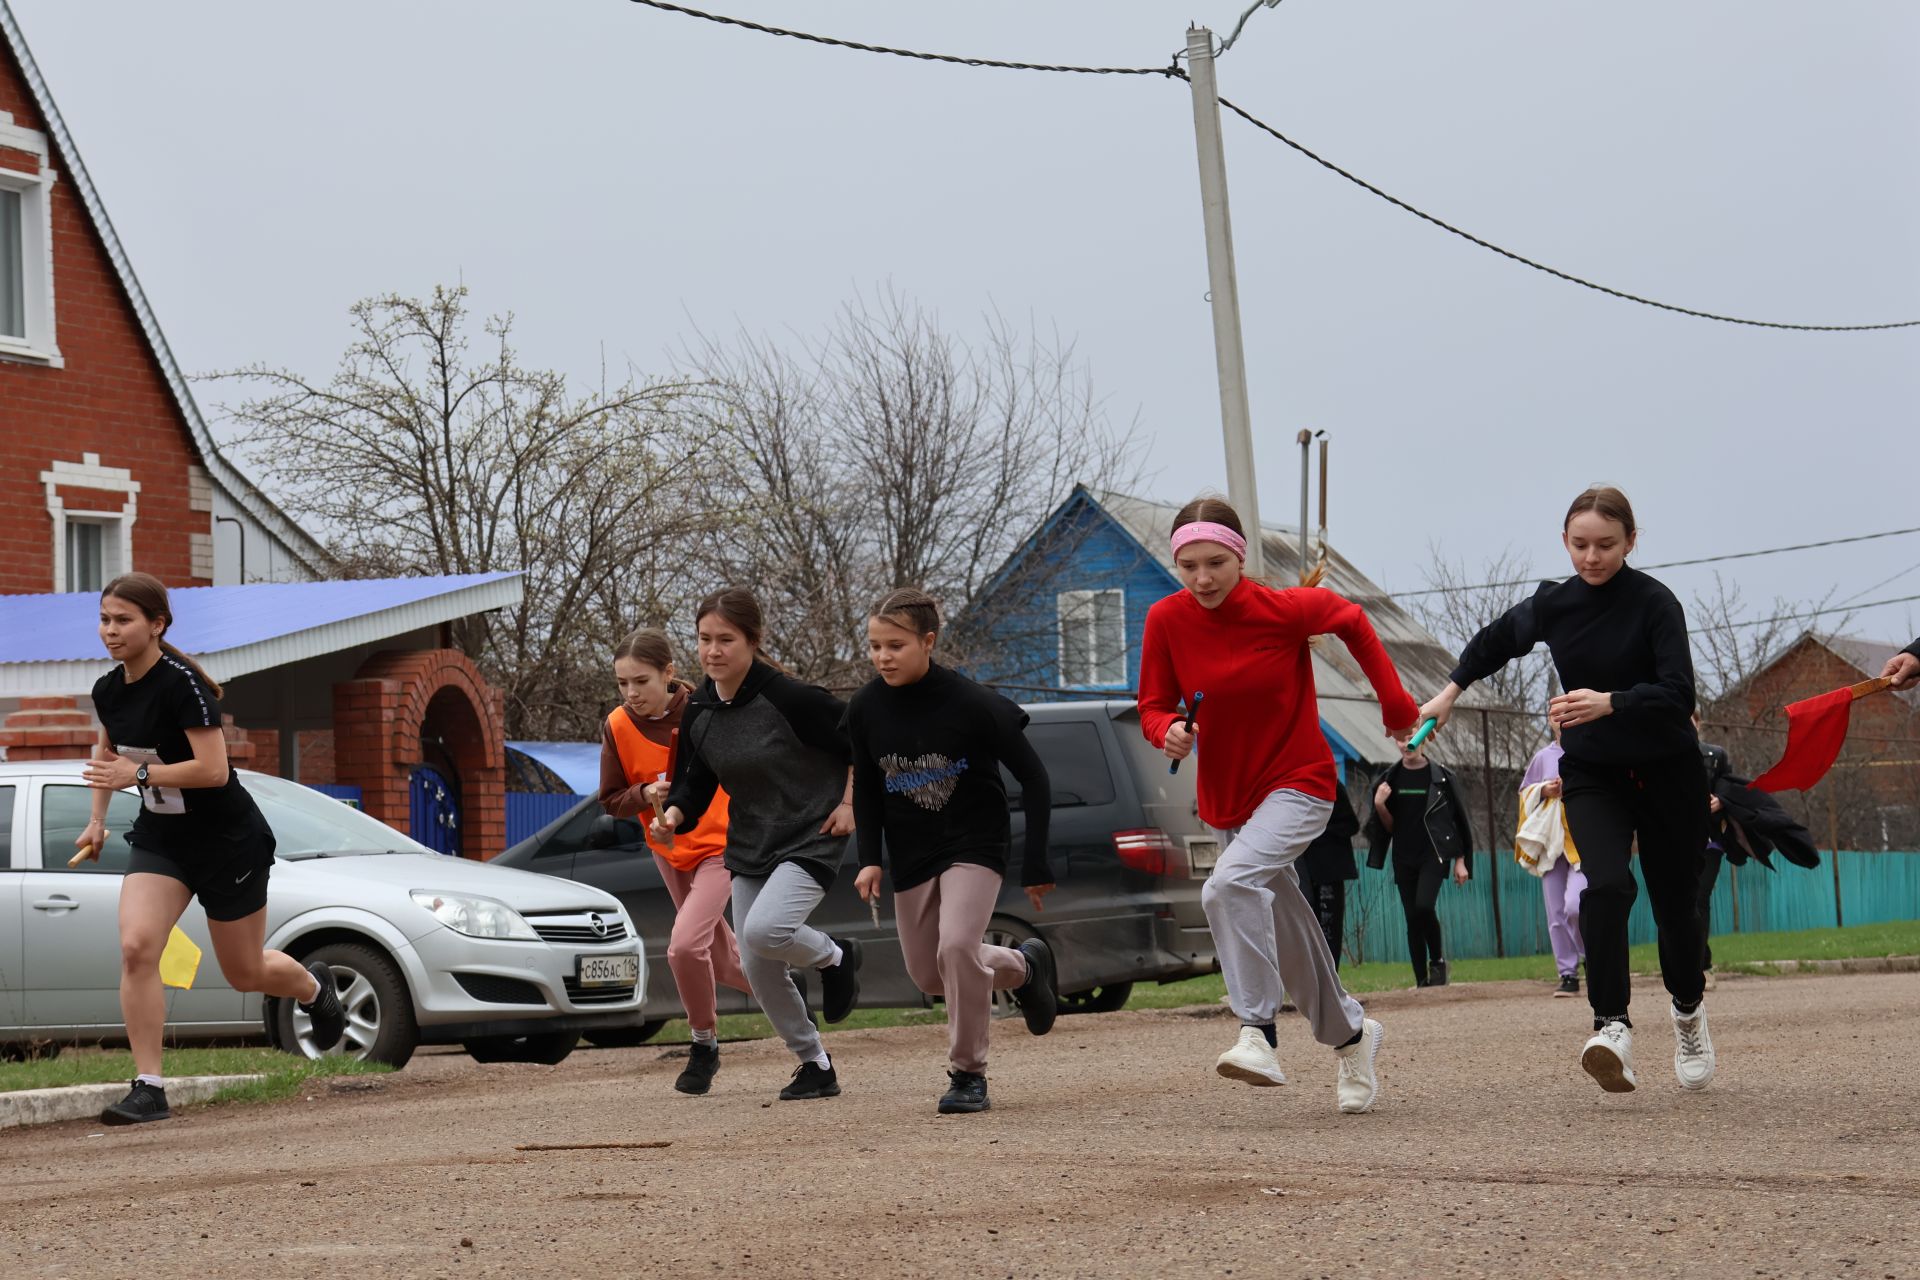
613,173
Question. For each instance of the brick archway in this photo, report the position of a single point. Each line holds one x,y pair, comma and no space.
398,705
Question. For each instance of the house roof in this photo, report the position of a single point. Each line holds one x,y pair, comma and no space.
1347,704
233,482
49,643
1868,657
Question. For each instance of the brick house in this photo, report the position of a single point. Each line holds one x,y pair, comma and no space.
106,465
1871,799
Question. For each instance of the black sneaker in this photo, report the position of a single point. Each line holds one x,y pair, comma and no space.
1438,971
966,1092
329,1019
1569,986
840,983
810,1081
143,1102
703,1064
1039,996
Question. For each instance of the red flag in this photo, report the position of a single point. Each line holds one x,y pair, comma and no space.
1816,728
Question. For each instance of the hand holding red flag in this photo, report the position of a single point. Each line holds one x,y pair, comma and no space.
1816,728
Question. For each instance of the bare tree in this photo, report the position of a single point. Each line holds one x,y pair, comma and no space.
427,452
887,451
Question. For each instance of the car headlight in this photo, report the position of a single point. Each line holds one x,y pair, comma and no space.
475,917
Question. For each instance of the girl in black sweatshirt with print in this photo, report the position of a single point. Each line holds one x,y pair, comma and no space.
928,744
1632,769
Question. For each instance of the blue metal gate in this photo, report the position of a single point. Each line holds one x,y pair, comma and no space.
434,813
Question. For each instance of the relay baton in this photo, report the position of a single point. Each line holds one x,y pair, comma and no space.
1426,731
1193,705
91,851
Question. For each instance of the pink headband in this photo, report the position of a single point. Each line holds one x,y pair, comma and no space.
1207,531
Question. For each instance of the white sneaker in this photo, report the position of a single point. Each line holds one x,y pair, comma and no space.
1608,1057
1692,1049
1251,1060
1358,1084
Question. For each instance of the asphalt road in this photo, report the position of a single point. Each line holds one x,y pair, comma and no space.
1112,1150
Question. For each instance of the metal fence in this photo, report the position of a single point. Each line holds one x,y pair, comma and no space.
1852,888
528,811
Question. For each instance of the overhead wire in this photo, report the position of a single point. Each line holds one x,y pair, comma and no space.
1676,564
1173,71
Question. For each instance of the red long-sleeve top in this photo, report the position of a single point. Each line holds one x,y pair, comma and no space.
1258,727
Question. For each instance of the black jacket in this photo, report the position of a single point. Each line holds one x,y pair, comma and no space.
1752,824
1447,825
1330,856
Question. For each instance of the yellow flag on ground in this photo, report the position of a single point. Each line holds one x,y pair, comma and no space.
180,961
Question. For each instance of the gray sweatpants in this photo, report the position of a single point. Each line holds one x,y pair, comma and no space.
770,915
1264,930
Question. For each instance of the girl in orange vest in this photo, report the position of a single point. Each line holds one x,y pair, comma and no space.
635,749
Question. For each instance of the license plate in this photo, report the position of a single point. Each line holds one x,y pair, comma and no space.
607,971
1202,853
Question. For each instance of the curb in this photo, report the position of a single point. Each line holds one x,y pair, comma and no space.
1856,964
85,1101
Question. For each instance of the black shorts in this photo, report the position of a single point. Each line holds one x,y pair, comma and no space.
228,875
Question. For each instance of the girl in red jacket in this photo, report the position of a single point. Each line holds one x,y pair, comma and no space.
1266,780
635,759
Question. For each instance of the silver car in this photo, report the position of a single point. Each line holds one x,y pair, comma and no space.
430,949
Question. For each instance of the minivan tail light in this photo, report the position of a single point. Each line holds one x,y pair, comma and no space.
1147,849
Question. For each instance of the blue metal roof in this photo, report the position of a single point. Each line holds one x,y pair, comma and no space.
65,628
577,763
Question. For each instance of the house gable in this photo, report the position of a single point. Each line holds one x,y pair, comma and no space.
104,396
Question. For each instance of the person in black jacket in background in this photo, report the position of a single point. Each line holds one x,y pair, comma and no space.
1718,765
1325,868
1417,809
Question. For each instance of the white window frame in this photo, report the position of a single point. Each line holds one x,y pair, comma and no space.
116,540
38,345
1082,609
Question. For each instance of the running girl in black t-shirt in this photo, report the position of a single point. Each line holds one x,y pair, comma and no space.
1631,775
198,834
928,744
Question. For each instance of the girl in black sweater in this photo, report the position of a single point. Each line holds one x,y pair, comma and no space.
1632,769
928,744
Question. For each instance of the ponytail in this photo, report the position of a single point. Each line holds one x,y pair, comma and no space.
199,672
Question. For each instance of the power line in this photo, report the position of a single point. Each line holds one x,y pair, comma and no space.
1468,236
1241,25
1677,564
1816,613
1173,71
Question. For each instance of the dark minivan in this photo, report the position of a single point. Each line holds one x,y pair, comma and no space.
1127,850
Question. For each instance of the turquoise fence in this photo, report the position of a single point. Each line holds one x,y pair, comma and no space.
1872,887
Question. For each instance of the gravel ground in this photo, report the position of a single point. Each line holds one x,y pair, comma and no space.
1112,1150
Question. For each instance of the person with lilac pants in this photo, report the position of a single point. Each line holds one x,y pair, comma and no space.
1563,883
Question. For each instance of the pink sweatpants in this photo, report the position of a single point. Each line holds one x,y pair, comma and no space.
701,951
1562,886
940,923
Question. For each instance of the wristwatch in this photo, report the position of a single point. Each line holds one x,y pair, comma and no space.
140,777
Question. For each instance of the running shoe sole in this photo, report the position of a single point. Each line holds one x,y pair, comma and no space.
114,1116
1248,1075
1604,1065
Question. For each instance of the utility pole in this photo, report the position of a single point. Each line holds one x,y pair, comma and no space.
1230,358
1305,441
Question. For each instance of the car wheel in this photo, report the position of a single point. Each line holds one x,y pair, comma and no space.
626,1037
380,1023
1004,932
1108,999
549,1047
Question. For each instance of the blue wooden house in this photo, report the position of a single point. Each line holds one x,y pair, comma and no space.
1063,617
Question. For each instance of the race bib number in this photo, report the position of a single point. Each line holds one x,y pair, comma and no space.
154,799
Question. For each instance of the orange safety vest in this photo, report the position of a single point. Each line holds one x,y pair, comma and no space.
644,760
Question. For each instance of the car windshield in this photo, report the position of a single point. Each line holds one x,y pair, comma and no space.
309,824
